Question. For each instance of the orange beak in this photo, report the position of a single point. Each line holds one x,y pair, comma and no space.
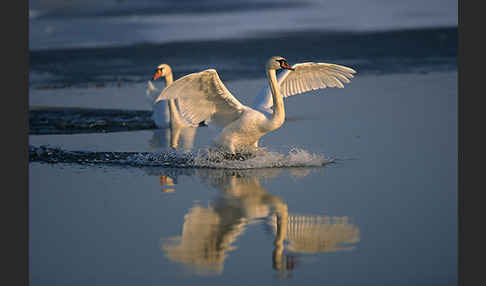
157,74
284,65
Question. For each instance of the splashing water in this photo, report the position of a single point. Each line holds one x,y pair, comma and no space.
202,158
259,159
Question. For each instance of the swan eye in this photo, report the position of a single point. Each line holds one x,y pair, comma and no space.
281,62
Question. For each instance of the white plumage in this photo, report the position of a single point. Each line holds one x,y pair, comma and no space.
166,115
203,97
306,77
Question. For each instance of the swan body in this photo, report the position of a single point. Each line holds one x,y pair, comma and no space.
204,97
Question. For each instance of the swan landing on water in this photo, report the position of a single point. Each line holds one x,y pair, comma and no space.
203,97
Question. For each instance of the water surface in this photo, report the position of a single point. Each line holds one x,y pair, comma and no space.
358,187
384,212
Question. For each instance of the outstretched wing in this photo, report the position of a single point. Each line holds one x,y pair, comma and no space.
203,97
311,76
306,77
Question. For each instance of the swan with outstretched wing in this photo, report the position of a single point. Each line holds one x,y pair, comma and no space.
204,97
306,77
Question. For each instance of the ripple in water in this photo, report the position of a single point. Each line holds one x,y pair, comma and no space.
202,158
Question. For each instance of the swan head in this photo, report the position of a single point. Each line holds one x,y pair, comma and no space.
162,71
277,62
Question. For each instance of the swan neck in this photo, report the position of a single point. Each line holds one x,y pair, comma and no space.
169,79
278,116
175,119
282,224
174,137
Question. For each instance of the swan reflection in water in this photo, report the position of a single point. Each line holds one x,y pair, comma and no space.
209,233
181,138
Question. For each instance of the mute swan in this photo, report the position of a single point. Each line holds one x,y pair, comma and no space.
166,115
205,97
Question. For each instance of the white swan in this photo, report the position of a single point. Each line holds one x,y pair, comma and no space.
166,115
205,97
